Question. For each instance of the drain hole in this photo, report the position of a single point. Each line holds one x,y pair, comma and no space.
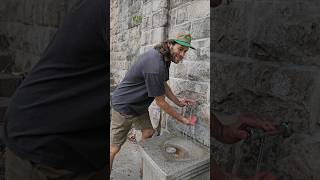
171,150
175,152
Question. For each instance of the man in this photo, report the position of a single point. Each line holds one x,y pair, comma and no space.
145,82
55,126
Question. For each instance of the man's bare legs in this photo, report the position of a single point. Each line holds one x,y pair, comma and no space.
147,133
114,149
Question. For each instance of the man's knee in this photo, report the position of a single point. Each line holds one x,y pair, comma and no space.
147,133
114,149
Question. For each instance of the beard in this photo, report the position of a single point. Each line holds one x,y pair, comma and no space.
173,57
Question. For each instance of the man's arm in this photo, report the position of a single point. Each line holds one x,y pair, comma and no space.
160,100
170,95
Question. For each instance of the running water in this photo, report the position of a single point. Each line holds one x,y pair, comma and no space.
262,140
193,126
184,132
188,130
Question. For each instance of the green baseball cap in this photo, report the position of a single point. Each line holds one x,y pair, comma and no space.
184,40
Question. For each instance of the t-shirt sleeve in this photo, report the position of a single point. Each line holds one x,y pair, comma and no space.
154,84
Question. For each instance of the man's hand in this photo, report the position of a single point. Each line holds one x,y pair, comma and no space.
186,102
237,131
190,120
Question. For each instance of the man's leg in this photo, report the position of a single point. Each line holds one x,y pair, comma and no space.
120,127
147,133
144,124
114,149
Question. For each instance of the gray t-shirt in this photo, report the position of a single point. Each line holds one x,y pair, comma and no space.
144,80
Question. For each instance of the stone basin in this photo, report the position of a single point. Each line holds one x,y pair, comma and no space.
174,157
181,149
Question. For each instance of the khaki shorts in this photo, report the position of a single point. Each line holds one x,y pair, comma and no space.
121,125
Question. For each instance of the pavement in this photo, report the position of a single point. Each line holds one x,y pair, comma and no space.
126,165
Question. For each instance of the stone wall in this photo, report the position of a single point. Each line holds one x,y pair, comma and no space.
138,25
265,60
26,27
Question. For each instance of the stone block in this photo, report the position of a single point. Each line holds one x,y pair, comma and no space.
159,4
180,70
183,14
278,92
299,157
46,13
14,11
117,56
143,49
6,62
173,17
121,37
147,9
201,28
174,30
199,71
135,7
118,76
176,3
146,23
134,20
50,13
4,103
145,38
122,65
158,35
199,9
24,61
229,28
286,34
9,84
4,11
190,89
160,18
202,51
289,84
28,38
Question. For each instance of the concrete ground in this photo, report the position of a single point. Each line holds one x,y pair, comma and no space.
126,165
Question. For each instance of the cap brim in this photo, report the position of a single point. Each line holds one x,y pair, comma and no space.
183,43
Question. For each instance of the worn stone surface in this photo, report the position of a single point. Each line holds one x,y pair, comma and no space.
229,28
28,26
292,34
127,163
264,61
158,164
8,84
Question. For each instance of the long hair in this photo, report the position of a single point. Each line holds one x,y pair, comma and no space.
164,50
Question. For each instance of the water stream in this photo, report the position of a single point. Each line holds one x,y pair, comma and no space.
188,131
